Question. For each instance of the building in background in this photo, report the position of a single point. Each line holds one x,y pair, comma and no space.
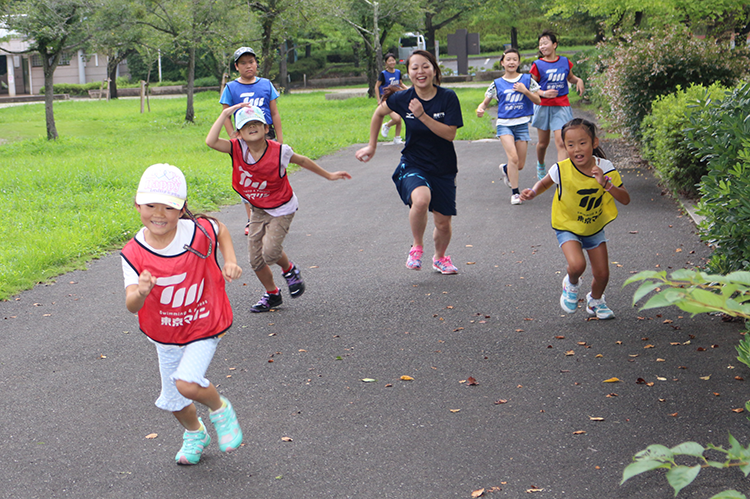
22,73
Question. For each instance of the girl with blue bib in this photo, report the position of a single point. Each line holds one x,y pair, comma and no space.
390,76
553,72
516,95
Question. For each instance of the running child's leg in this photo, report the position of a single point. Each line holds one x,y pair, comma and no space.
600,269
542,145
576,260
509,146
396,119
560,145
521,148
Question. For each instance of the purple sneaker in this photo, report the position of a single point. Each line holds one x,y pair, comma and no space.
295,282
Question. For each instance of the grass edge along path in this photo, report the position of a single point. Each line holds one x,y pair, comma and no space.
68,201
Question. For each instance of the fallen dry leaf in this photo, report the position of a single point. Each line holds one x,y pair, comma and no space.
739,378
610,395
500,401
661,379
706,378
596,418
675,343
649,346
667,321
406,378
477,493
569,353
455,410
660,360
559,337
738,410
674,414
470,381
470,263
151,436
579,432
599,356
611,380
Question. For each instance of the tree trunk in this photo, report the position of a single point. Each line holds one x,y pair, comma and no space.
376,37
49,63
282,68
372,71
268,45
429,33
190,112
514,37
638,19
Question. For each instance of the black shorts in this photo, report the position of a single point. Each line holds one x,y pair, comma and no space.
442,188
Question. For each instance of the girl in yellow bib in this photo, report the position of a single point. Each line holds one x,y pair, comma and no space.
584,203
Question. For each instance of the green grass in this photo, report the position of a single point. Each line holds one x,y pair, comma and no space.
68,201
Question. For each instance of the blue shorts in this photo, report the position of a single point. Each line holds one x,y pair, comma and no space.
587,242
442,189
551,117
519,132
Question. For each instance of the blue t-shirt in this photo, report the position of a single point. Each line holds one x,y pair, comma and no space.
260,94
423,149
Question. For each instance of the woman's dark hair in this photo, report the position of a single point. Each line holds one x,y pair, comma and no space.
590,129
389,55
511,50
392,89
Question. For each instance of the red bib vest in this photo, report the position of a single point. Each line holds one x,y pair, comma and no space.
189,301
264,184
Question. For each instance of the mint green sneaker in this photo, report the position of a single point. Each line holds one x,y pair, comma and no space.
598,308
193,443
227,427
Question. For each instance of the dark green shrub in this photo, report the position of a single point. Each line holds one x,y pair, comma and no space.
207,81
74,89
309,66
645,67
663,137
720,136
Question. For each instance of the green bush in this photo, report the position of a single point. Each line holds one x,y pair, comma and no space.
719,134
207,81
663,137
647,66
308,66
74,89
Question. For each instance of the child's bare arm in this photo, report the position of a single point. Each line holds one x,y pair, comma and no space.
539,187
276,120
231,132
212,139
224,239
483,106
135,294
311,165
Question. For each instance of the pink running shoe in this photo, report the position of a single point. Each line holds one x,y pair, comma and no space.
414,262
444,266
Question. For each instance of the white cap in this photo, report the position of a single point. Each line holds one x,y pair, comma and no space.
162,184
245,115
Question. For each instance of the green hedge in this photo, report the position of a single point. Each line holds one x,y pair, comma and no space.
646,66
719,134
663,137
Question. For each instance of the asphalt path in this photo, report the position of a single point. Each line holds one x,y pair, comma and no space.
79,379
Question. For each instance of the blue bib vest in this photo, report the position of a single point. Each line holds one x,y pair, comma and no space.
390,79
258,94
512,104
554,75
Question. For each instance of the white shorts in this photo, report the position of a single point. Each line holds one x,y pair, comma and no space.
187,363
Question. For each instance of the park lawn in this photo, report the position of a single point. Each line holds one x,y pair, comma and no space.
68,201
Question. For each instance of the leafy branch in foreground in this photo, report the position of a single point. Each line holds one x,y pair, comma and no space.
697,292
680,476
